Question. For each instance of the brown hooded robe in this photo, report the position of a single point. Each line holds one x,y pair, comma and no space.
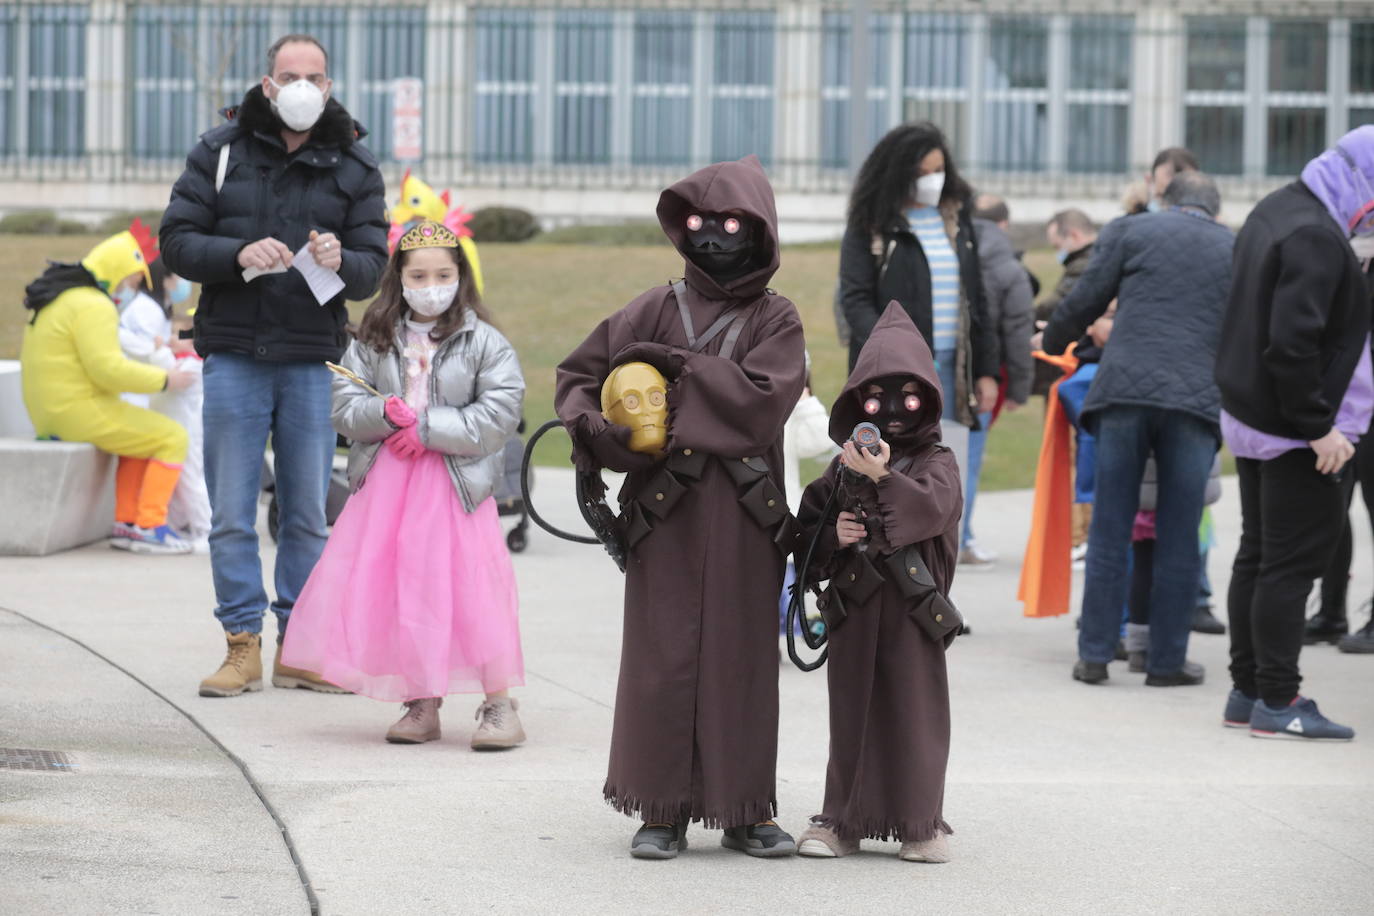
696,715
889,694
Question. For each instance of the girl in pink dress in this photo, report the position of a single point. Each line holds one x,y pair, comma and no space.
414,596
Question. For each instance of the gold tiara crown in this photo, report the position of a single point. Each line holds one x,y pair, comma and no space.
428,235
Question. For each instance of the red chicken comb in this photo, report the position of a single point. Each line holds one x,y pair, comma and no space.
147,244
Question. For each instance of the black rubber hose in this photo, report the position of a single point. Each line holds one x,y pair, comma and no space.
525,490
797,603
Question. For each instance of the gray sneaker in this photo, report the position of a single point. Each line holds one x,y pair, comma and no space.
765,841
500,726
659,841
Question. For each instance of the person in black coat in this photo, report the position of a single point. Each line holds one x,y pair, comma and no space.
1153,392
286,173
908,185
1297,390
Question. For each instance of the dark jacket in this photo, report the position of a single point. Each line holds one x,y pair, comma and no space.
696,713
1170,273
331,184
1296,321
876,269
1086,351
889,690
1010,304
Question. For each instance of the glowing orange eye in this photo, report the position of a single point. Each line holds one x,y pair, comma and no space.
872,406
731,226
913,403
694,223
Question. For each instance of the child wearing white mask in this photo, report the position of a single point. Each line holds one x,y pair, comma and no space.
414,596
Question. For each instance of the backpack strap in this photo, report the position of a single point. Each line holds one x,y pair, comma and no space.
733,318
223,167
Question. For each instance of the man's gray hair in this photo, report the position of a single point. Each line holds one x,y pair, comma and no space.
1195,190
294,39
1073,220
991,208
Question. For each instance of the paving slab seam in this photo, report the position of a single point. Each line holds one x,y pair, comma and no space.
577,693
1225,790
233,758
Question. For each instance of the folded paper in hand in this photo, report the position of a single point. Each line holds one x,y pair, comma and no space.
324,283
253,273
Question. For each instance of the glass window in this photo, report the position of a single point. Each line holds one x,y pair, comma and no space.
1015,135
393,45
1016,110
57,93
167,109
936,49
1018,53
1100,52
742,109
233,43
582,113
1098,136
1360,117
1216,55
1295,136
9,36
330,26
661,130
1362,56
1216,135
503,107
1297,56
836,63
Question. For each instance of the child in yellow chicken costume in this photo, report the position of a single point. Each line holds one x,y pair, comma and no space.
419,202
73,373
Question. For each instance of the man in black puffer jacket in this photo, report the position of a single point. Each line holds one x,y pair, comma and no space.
287,172
1153,392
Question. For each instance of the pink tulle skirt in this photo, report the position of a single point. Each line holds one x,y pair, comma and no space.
412,597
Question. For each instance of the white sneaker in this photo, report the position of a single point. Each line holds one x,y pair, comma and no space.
159,540
1080,556
500,725
119,535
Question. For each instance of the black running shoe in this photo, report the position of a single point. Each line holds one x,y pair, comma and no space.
1090,672
1321,628
1190,675
1361,642
659,841
1204,621
766,840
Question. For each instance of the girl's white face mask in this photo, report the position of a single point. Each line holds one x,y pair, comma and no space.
298,104
430,301
1363,246
927,189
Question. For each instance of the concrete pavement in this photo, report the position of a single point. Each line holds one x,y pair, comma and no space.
1064,798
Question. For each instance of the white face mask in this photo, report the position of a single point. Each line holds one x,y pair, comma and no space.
430,301
927,189
298,104
1363,246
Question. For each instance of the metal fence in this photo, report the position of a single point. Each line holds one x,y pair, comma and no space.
1059,97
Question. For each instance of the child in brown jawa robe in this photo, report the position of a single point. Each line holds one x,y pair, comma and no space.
889,694
696,715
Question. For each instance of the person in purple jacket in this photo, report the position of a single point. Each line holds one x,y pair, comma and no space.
1297,390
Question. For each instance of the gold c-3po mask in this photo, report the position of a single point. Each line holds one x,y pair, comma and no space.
636,395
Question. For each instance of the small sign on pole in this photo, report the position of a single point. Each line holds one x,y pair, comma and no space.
407,119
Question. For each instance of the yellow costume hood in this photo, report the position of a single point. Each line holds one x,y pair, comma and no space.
119,256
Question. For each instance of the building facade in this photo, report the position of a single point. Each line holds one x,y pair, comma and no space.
583,110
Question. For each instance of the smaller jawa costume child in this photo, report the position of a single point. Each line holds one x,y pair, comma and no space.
706,522
889,694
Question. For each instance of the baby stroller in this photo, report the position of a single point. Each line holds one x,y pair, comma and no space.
509,501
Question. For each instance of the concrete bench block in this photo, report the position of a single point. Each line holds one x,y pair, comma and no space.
55,496
14,417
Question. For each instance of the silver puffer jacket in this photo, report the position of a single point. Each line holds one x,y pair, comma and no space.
475,393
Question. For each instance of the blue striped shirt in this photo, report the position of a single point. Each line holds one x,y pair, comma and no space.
929,228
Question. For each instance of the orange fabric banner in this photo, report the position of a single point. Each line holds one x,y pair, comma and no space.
1046,570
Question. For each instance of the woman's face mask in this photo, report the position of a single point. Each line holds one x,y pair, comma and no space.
299,104
927,189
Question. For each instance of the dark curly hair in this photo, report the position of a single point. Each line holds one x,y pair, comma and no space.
378,327
884,182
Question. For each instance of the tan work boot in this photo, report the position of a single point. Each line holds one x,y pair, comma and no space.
500,726
288,677
419,724
241,671
934,850
820,842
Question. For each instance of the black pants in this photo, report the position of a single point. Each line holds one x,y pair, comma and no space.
1290,526
1336,579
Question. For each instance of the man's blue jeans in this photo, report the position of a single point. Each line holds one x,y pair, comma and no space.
245,400
977,443
1183,446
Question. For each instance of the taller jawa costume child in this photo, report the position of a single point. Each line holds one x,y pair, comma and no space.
706,521
889,694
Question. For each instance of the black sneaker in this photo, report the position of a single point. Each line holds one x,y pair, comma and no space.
1190,675
1361,642
1321,628
1090,672
1121,653
766,840
1137,662
659,841
1204,621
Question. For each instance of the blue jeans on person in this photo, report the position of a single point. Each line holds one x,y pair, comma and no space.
1072,392
245,401
944,368
1183,446
977,441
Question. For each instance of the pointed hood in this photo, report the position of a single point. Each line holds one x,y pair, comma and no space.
727,187
894,348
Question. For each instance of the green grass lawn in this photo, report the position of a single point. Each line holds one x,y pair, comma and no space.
548,297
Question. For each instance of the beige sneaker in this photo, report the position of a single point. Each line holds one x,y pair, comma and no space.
419,724
500,726
241,671
288,677
934,850
820,842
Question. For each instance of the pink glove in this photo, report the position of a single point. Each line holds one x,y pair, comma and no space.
405,443
399,413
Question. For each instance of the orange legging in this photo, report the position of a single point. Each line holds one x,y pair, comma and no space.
143,488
